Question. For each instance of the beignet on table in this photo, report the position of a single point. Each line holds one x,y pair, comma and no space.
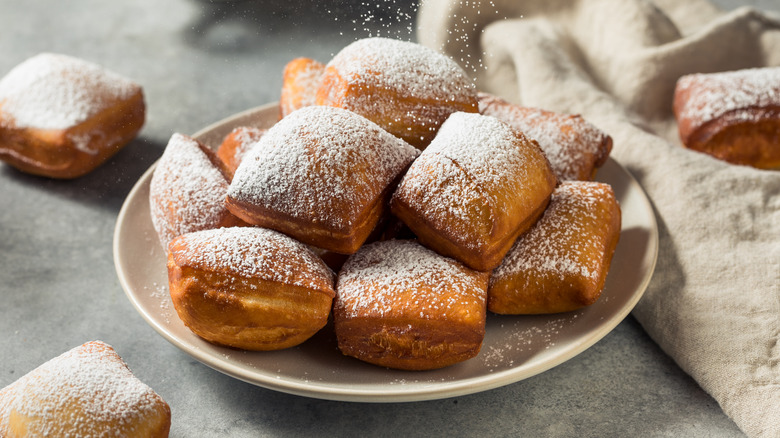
733,116
61,117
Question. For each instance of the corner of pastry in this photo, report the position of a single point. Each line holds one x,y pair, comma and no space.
300,82
401,305
562,262
87,391
235,145
733,116
478,186
187,190
249,287
406,88
575,148
61,117
322,175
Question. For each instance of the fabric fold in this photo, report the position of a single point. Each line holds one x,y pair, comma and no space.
714,302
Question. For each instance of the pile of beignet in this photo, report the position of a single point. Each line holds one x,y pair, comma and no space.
392,198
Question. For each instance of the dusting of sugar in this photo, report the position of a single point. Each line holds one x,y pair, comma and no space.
474,160
321,164
52,91
558,243
522,342
245,137
570,143
407,68
187,191
93,380
380,277
715,94
253,252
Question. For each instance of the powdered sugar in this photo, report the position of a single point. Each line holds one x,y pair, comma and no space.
409,69
320,164
473,165
715,94
571,144
51,91
84,387
253,252
561,243
380,278
187,190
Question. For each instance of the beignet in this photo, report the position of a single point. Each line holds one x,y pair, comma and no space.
235,146
248,287
61,117
321,175
478,186
86,392
574,147
733,116
300,82
406,88
187,190
561,263
401,305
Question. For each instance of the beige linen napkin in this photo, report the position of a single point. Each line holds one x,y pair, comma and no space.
714,302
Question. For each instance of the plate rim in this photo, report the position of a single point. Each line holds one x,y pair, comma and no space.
393,393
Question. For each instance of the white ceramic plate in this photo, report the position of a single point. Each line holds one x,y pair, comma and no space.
515,347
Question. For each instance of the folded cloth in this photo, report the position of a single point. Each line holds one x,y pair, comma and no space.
713,304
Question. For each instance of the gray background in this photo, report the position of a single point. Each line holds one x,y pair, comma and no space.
200,62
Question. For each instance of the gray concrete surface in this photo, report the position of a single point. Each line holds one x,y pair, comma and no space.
58,286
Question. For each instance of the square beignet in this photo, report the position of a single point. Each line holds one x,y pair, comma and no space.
187,190
322,175
61,117
561,263
250,288
478,186
300,82
733,116
406,88
574,147
401,305
87,391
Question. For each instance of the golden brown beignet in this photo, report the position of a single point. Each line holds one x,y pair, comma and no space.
561,263
187,190
321,175
478,186
574,147
86,392
235,146
300,82
61,117
250,288
406,88
733,116
401,305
